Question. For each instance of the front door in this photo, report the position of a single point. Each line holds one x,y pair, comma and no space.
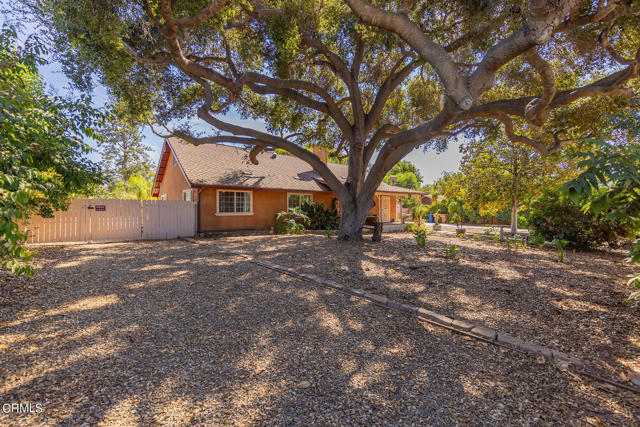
385,208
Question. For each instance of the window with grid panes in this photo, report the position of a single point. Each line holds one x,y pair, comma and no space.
297,200
234,202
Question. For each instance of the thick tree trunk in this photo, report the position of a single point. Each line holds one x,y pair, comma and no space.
514,216
352,221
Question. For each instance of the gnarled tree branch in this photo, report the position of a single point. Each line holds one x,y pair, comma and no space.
536,110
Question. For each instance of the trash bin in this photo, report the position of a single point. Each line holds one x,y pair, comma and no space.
430,218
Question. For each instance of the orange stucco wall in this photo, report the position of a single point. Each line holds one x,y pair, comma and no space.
266,204
173,181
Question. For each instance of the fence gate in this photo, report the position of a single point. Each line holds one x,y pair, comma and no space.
168,219
67,226
115,220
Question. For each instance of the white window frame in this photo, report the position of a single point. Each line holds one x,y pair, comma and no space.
163,197
298,194
190,192
218,213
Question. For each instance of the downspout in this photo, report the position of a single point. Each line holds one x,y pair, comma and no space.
198,211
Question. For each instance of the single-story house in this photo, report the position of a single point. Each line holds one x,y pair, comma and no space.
234,194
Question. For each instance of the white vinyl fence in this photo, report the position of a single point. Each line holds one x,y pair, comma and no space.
96,220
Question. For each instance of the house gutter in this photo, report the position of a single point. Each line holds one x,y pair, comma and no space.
198,211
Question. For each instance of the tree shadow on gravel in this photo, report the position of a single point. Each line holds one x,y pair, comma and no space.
173,333
576,306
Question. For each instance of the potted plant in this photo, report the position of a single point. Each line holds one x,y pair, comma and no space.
436,224
457,220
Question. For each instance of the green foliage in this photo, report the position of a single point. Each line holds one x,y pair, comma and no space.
121,148
634,298
406,175
554,218
560,246
451,251
495,177
455,219
536,239
410,202
495,172
320,218
328,233
41,149
421,212
610,183
421,234
292,221
335,70
136,187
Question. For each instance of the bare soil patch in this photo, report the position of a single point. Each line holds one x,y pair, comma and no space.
175,333
576,307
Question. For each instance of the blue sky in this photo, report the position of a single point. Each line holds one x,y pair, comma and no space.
430,163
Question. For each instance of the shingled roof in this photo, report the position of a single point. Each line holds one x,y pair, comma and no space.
229,166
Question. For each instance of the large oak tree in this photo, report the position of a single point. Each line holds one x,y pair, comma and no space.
370,81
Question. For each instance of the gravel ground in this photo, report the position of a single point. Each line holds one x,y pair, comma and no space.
576,307
174,333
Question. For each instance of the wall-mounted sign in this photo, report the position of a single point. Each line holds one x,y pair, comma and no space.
101,208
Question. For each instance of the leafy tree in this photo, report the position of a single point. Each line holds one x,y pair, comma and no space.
357,77
137,187
410,201
610,183
496,175
123,153
406,175
41,149
449,185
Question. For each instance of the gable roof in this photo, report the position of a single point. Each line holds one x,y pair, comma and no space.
229,166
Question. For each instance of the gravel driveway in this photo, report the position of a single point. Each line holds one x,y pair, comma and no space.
174,333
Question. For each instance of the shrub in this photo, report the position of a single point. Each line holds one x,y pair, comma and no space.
451,251
634,298
421,212
554,218
536,239
523,220
410,202
560,244
456,219
292,221
421,234
320,218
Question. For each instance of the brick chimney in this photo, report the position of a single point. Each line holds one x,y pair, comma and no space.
321,152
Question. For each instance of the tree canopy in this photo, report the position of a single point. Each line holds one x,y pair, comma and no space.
497,175
41,149
356,77
122,150
404,174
